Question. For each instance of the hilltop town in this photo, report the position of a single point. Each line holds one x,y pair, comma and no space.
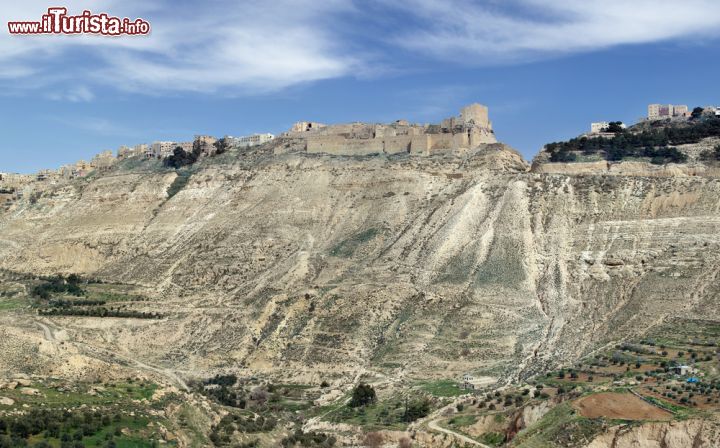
456,135
598,151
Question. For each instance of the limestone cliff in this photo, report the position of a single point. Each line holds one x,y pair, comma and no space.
421,266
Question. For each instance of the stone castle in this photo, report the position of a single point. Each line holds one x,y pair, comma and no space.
470,129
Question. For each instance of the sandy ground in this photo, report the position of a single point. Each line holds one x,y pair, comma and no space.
619,406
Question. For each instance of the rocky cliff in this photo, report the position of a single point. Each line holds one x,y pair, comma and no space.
301,264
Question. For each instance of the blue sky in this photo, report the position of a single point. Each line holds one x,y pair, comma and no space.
545,68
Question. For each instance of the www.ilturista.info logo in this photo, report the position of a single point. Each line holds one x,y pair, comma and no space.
56,21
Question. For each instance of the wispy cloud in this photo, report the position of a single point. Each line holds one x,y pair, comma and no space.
228,47
95,125
518,30
222,46
77,94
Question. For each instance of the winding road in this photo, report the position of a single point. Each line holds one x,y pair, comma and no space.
433,424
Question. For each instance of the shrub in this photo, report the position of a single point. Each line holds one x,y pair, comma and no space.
363,395
417,409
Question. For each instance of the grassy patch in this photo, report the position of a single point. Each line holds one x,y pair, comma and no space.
463,420
12,303
442,388
667,405
493,438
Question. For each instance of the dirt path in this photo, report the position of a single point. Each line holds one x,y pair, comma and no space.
435,427
107,355
48,333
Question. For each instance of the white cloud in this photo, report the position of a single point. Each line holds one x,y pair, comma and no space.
78,94
524,29
94,125
226,46
232,47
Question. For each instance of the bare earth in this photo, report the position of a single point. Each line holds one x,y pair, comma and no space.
619,406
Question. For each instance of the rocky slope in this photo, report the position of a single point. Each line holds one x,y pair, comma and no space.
311,266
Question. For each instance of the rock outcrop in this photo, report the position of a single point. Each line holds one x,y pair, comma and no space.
303,264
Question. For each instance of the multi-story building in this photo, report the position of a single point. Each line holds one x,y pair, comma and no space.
162,149
680,110
140,150
248,140
660,111
186,146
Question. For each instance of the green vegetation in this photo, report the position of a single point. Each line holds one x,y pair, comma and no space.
99,312
654,144
362,395
58,296
348,247
74,416
73,429
58,285
312,438
442,388
463,420
11,303
666,405
222,433
493,438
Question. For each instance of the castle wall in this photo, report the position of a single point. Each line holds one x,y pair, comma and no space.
339,145
420,144
398,144
470,129
442,142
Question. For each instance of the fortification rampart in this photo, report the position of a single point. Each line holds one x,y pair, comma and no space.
466,131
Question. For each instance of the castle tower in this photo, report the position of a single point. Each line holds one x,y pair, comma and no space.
477,114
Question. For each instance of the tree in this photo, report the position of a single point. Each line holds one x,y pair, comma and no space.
417,409
221,146
363,395
615,127
697,112
180,158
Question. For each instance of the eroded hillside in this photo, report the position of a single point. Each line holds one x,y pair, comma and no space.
310,266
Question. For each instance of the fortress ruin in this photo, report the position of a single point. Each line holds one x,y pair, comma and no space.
469,130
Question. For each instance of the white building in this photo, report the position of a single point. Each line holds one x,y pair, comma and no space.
249,140
600,126
685,370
